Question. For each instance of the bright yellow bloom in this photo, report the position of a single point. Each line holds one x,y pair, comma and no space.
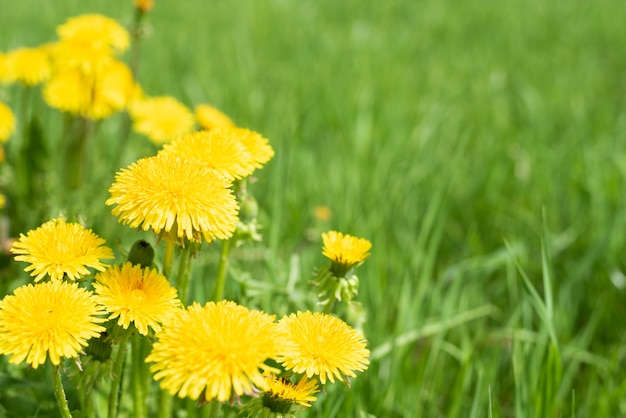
29,66
85,57
321,345
283,391
218,349
258,147
135,294
94,95
60,249
54,318
345,249
182,198
144,5
161,119
97,30
5,70
218,151
209,118
7,122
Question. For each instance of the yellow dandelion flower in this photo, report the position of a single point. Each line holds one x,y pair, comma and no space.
143,5
7,122
6,75
209,118
258,146
322,345
96,95
53,319
218,151
182,198
161,119
59,249
218,349
282,393
29,66
95,29
344,249
135,294
68,55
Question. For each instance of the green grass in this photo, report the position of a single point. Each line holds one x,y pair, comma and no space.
443,132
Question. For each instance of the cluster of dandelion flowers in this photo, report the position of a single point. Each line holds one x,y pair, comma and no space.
134,294
175,197
97,30
161,119
209,117
215,149
54,318
321,345
344,249
7,122
218,350
59,249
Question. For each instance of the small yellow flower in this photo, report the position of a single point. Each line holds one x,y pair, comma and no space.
144,5
29,66
94,95
135,294
321,345
209,117
161,119
182,198
282,391
7,123
94,29
344,249
60,249
54,318
84,57
218,151
218,349
258,146
6,75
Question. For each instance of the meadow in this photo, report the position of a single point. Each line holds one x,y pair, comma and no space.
480,147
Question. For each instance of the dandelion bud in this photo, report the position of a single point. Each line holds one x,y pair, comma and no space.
141,253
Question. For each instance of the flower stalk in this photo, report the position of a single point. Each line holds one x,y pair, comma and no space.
59,393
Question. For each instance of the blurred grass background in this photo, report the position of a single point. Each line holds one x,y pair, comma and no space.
439,130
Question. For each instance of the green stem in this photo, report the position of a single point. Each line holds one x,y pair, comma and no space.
75,156
184,271
220,281
165,404
59,393
168,257
214,409
117,374
138,381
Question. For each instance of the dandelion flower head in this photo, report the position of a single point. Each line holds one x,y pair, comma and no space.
321,345
345,249
182,198
209,117
219,349
7,122
161,119
282,390
54,318
216,150
97,30
59,249
134,294
258,146
29,66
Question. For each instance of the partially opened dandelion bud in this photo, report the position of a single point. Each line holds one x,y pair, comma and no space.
338,281
141,253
